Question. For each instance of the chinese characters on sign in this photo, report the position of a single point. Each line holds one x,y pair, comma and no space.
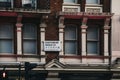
52,46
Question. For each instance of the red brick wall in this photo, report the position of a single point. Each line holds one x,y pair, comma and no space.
52,28
56,5
18,3
52,31
51,55
42,4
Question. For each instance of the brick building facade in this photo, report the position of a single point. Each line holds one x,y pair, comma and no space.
66,39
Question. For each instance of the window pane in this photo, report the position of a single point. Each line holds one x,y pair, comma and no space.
5,3
29,38
6,31
29,31
6,38
92,1
92,47
5,0
70,33
70,1
70,47
6,46
92,33
70,39
29,46
29,3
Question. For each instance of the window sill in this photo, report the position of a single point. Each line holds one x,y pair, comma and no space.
87,56
26,10
29,54
23,56
70,54
6,53
93,5
70,4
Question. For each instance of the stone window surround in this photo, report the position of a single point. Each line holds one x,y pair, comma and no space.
83,35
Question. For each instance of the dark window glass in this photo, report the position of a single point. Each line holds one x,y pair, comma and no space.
29,39
6,38
93,40
6,3
92,1
71,39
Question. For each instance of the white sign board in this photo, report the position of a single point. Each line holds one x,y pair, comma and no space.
52,46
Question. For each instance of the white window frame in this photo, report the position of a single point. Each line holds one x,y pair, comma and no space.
95,7
12,3
71,7
70,2
30,7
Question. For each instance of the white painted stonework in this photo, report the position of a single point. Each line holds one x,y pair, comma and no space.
42,30
115,8
84,53
19,38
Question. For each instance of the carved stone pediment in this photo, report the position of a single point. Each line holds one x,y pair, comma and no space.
54,64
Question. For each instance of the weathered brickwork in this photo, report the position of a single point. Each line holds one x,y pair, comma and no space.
44,4
52,28
18,3
56,5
